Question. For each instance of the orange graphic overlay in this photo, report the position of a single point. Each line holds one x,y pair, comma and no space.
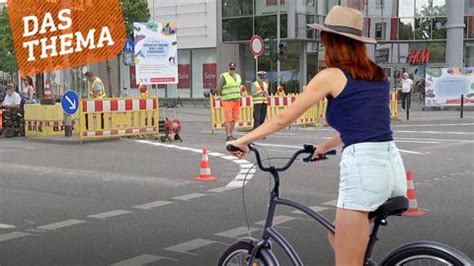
59,34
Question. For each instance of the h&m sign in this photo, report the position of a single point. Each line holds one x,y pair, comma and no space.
419,57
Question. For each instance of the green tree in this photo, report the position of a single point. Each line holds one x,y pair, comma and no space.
134,11
8,61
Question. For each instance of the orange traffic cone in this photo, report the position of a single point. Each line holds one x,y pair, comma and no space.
413,210
205,171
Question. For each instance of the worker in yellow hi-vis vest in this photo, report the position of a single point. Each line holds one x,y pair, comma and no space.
229,88
96,87
260,99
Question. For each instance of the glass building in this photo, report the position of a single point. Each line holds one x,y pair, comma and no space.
401,27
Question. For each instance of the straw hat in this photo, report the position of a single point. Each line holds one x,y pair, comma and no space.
344,21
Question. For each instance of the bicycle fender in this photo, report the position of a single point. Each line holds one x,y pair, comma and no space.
430,244
266,253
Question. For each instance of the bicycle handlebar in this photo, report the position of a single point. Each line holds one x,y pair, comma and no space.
307,149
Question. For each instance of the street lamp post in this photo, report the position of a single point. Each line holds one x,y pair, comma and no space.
278,42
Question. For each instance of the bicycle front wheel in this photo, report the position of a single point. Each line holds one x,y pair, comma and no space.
238,254
429,256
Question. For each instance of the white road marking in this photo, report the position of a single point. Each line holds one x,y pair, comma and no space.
279,219
436,125
216,154
12,235
190,245
237,183
109,214
221,189
441,140
189,196
242,163
230,157
62,224
415,141
7,226
411,152
279,145
314,208
151,205
248,171
237,232
435,132
140,260
330,203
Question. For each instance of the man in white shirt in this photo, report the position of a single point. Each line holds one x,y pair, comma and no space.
12,99
407,88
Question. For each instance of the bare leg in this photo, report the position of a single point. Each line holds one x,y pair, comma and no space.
228,128
232,126
351,237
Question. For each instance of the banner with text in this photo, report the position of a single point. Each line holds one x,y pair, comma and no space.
156,53
444,86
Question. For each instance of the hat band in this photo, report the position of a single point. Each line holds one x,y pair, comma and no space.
344,29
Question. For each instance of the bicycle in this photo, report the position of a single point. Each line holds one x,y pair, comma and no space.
252,251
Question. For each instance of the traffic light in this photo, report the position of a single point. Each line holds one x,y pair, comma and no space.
282,49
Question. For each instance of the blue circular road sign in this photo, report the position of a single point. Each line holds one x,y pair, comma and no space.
70,102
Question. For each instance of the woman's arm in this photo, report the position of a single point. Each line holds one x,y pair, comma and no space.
31,92
323,84
328,145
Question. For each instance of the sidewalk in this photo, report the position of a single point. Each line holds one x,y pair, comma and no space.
201,114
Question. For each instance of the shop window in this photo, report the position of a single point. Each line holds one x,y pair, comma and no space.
406,8
267,26
469,7
406,29
379,4
469,54
437,52
427,8
237,29
380,30
439,28
469,27
422,28
235,8
274,2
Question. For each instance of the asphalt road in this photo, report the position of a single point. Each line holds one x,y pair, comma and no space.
136,202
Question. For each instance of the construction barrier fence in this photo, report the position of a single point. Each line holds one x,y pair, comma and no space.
314,116
118,117
46,120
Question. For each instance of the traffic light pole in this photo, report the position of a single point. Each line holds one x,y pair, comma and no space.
278,42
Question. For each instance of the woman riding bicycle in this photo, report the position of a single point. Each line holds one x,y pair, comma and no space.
357,89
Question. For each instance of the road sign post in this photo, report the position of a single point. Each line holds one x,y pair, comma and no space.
70,104
257,47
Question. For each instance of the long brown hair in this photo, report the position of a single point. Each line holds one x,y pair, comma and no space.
351,56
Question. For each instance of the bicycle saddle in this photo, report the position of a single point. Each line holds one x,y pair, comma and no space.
393,206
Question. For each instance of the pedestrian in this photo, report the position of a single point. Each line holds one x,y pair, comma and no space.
12,98
407,88
260,99
96,86
358,109
228,87
280,90
28,91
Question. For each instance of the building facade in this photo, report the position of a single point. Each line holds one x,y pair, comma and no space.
411,35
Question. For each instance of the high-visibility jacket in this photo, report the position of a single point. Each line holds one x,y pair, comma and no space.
260,92
101,93
231,88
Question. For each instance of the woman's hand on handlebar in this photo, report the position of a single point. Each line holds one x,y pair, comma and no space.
243,148
320,152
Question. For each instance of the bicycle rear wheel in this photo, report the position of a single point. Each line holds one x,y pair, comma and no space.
421,256
238,254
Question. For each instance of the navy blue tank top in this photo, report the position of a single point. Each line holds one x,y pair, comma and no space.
361,112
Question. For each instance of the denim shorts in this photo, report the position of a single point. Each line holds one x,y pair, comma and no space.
371,173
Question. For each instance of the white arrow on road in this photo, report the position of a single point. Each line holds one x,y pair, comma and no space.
73,103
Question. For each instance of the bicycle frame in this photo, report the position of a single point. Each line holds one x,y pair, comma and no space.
270,233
